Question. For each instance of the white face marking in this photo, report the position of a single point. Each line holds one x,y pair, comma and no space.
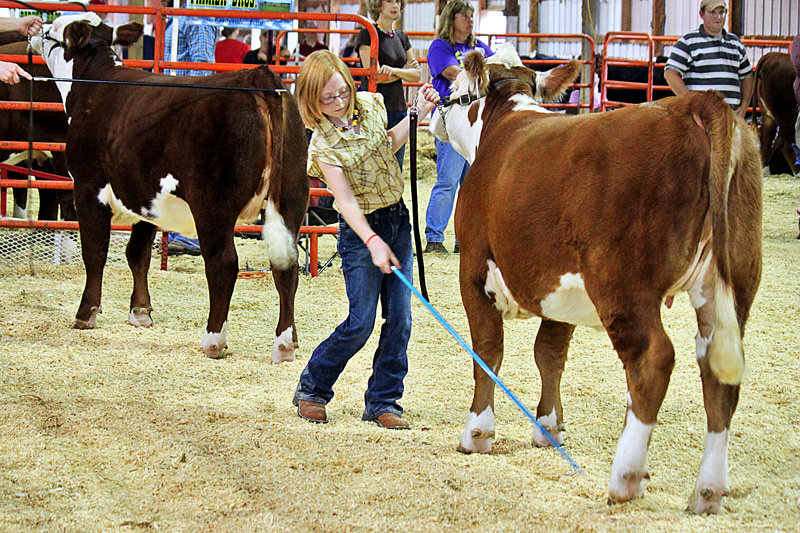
503,299
630,460
571,304
481,425
213,343
550,423
53,55
283,349
281,244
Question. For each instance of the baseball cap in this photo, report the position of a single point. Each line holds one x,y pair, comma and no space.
711,5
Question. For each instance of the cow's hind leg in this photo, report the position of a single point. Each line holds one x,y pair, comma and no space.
648,358
222,267
94,220
550,351
286,334
138,253
486,330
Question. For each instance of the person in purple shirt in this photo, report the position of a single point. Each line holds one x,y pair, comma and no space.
454,39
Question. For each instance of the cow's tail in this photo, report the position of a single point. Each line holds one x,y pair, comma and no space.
725,354
281,243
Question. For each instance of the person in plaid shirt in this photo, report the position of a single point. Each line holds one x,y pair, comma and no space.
196,43
353,153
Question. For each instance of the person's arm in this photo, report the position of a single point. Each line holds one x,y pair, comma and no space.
747,94
382,255
11,72
675,81
29,25
399,133
409,72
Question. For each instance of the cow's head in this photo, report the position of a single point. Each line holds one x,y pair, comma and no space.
60,42
483,82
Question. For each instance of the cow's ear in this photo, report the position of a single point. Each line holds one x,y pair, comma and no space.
474,65
76,35
551,84
127,34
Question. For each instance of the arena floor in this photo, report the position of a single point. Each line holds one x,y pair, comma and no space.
124,429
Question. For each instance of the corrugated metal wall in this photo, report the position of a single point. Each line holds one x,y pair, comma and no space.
772,17
780,18
560,16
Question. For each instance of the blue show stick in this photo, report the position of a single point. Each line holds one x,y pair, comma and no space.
485,367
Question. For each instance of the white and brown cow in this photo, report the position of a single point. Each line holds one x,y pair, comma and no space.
190,160
596,220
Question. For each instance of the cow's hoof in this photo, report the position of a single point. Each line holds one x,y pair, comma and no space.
476,440
214,343
627,487
540,440
91,323
140,317
284,347
706,501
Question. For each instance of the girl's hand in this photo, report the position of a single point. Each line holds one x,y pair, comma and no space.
430,98
382,255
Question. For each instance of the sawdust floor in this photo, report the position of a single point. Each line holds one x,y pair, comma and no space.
122,429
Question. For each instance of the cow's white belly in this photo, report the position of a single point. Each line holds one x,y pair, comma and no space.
571,304
166,210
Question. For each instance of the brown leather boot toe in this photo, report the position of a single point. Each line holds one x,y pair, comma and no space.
312,411
391,421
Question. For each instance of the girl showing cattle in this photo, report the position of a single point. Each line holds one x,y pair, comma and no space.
354,154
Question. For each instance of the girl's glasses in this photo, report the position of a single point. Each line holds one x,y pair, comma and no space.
343,95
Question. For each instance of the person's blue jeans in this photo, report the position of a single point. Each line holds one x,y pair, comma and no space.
451,168
365,285
392,119
187,242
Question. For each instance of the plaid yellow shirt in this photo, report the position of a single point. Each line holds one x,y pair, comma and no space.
365,157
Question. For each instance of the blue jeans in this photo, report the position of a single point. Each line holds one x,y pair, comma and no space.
365,284
451,168
392,119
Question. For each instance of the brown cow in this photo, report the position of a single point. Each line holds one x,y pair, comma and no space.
621,211
186,159
773,93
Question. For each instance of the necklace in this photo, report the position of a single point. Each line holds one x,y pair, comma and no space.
389,33
352,123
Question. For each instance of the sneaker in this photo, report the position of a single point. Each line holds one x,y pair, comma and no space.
456,249
796,151
179,248
435,247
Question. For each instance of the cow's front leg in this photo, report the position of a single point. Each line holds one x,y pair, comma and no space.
222,267
94,221
138,252
550,351
486,330
286,334
648,357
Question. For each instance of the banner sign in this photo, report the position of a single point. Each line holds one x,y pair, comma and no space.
243,5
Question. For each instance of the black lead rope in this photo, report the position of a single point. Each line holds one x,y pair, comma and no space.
158,84
412,118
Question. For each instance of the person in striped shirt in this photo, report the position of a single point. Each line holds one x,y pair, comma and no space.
712,58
